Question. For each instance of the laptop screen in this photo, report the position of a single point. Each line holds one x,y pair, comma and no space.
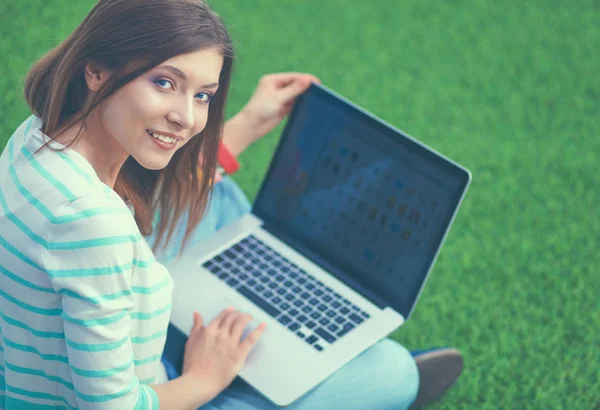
360,198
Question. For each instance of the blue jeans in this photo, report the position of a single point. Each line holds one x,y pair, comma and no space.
385,376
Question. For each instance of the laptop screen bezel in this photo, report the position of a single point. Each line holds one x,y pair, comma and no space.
397,136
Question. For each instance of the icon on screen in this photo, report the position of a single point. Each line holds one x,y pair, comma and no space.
414,216
402,209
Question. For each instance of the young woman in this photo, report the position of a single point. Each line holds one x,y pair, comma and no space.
123,109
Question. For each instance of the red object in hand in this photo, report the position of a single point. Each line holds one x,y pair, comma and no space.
227,160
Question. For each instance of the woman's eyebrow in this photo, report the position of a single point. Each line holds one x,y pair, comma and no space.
182,75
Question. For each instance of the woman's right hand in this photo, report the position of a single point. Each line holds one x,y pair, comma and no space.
214,354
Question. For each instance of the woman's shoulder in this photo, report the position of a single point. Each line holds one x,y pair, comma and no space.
49,192
94,227
95,213
51,178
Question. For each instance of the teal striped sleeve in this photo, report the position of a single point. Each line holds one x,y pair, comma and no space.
87,258
153,403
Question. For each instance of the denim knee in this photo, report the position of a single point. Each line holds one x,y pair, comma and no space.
402,382
232,202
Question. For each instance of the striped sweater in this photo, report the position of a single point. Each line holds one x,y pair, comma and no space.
84,305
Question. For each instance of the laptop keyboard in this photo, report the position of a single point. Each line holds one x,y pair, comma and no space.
306,306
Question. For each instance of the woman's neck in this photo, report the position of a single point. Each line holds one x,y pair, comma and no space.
99,148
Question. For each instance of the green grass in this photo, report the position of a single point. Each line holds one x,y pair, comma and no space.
510,90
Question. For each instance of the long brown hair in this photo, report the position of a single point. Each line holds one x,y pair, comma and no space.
130,37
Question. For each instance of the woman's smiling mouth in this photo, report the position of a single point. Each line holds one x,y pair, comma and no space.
164,141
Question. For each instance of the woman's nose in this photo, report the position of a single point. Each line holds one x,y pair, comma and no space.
182,114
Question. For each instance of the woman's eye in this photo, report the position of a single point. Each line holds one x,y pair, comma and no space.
204,97
162,83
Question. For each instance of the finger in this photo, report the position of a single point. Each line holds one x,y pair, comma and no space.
289,93
197,326
198,320
253,338
284,79
228,321
237,328
312,78
217,321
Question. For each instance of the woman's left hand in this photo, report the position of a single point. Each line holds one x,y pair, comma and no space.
271,102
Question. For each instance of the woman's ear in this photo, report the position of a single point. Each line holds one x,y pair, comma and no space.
95,76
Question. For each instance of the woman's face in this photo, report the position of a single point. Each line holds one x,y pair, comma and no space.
159,112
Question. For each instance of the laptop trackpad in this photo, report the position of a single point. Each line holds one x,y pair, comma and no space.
209,313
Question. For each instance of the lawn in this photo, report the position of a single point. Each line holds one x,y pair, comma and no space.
508,90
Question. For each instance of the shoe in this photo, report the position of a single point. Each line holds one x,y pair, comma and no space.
438,371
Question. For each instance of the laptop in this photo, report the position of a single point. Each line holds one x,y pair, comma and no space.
342,236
